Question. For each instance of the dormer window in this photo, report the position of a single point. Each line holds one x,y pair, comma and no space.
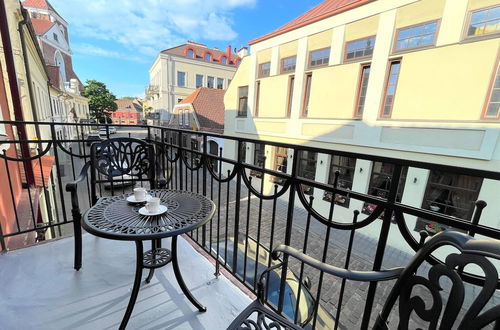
190,53
223,60
208,57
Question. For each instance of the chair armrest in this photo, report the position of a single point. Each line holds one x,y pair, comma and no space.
162,182
364,276
71,186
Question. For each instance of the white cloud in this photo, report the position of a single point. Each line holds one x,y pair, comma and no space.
88,49
147,26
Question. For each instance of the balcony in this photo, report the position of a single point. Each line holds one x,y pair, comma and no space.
373,229
151,90
40,284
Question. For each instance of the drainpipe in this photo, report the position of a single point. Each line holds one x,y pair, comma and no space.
27,69
14,91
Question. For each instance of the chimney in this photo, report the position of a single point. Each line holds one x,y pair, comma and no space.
228,52
243,52
73,85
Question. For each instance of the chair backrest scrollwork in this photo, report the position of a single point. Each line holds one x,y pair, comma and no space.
121,160
447,313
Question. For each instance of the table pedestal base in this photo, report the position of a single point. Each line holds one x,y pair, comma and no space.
152,259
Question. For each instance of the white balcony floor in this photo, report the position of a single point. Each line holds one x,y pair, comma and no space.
40,290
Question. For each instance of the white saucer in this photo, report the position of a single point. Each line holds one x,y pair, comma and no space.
131,199
143,211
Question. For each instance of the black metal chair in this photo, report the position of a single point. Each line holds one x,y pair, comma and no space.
471,252
113,163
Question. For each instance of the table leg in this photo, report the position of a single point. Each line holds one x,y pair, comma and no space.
178,276
137,284
152,270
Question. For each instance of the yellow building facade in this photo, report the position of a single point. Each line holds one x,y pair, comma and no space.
411,79
178,71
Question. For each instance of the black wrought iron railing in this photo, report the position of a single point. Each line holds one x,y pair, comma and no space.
255,213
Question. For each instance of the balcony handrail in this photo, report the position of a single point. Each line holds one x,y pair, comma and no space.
397,161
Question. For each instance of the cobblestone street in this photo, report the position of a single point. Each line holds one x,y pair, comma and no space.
363,251
255,214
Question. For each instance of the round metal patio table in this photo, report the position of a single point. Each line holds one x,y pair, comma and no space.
115,218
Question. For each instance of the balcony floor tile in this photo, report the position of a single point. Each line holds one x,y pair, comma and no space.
40,289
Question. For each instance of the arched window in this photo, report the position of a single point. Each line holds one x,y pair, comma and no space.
58,60
223,60
208,57
190,53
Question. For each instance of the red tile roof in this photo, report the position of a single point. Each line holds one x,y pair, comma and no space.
36,4
128,105
208,104
325,9
42,175
41,172
41,25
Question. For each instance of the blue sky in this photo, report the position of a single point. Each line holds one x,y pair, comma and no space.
116,41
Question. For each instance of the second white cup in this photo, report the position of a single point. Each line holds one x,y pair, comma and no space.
153,205
139,194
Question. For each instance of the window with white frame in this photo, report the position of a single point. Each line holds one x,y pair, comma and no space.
186,118
210,82
181,79
345,166
307,168
199,80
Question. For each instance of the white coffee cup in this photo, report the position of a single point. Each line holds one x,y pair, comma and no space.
139,194
153,206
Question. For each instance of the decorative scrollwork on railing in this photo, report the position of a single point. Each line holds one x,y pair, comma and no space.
405,231
70,152
37,156
248,184
168,150
335,224
172,156
194,160
218,177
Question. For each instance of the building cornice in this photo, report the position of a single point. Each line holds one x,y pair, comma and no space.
198,62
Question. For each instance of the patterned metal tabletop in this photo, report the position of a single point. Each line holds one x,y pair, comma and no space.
115,218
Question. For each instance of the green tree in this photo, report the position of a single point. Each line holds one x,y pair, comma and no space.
101,100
